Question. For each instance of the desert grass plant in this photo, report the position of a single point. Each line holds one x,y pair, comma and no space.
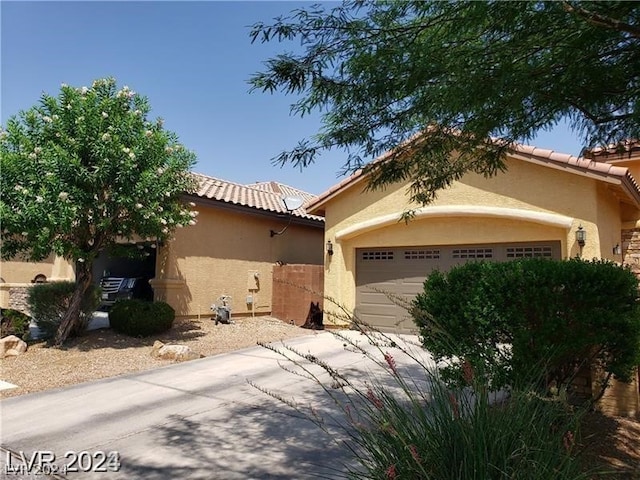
404,422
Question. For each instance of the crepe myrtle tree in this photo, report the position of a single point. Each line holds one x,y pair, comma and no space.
85,171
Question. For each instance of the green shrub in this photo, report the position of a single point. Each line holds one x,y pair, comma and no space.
553,315
139,318
49,302
13,322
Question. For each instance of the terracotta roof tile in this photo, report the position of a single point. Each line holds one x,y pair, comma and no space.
573,164
262,196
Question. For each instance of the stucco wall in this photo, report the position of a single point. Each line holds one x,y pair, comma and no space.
608,220
526,189
18,271
221,253
16,275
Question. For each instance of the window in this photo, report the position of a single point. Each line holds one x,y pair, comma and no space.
421,254
377,255
472,253
520,252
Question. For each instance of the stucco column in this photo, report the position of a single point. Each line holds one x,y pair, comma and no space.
168,285
61,270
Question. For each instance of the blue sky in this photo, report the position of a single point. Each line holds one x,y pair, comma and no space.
192,60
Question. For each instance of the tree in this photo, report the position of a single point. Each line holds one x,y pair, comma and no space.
84,171
454,84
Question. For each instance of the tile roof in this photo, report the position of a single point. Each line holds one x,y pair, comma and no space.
582,166
570,163
265,196
629,148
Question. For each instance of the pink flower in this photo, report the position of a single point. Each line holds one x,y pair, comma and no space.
568,441
373,398
391,472
391,363
414,453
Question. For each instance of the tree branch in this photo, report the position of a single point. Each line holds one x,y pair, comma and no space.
598,19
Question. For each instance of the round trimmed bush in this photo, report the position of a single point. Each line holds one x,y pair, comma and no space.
138,318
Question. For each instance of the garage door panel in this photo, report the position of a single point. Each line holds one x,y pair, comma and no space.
374,298
386,320
401,271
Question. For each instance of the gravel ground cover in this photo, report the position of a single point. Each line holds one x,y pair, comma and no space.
105,353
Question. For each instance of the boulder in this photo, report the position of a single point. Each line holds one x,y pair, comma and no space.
177,353
12,346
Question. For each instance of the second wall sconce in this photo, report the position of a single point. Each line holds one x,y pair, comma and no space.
329,247
581,236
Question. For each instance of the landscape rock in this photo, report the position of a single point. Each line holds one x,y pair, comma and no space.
177,353
12,346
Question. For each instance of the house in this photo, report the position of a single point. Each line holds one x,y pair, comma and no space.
543,206
229,251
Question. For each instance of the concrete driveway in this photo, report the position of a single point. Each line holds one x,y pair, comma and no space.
194,420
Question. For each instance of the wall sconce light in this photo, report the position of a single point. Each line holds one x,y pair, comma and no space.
581,236
329,247
617,250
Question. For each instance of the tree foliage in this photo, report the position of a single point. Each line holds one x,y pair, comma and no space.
555,316
86,170
441,78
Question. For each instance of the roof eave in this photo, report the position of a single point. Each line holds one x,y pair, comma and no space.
247,210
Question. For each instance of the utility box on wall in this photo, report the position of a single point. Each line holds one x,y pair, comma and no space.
294,288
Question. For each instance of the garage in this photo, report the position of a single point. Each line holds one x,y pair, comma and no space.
383,274
128,275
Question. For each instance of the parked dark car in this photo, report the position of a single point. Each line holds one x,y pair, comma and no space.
123,288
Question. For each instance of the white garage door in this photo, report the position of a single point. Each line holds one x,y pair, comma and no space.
386,276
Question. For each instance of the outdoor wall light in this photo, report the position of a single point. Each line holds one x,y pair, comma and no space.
329,247
617,250
581,236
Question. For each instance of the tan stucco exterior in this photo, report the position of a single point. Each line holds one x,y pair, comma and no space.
16,273
53,267
533,201
218,255
221,254
528,203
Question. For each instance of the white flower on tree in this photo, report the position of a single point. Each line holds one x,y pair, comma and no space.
77,169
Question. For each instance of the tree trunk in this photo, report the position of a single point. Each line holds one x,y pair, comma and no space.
71,318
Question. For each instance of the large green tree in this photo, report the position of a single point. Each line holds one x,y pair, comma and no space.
85,171
466,78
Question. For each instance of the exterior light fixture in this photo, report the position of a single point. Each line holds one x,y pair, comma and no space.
617,250
581,236
329,247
